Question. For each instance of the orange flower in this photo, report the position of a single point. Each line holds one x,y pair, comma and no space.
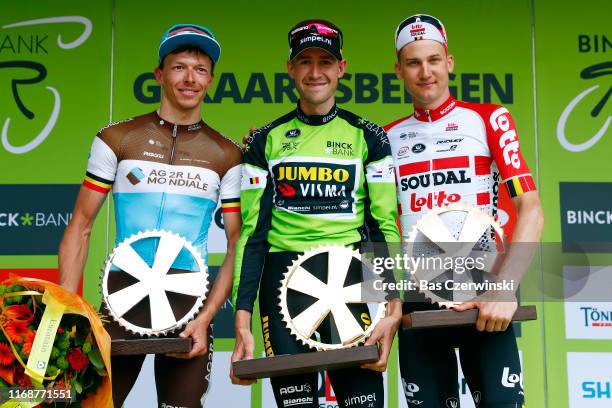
19,313
27,342
6,354
8,374
16,331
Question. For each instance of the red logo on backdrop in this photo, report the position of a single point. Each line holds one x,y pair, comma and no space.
48,274
330,395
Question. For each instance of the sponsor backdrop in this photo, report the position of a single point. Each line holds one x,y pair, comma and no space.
68,69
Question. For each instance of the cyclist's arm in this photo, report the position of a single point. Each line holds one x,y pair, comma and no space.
527,232
230,208
75,243
516,178
101,170
256,208
381,201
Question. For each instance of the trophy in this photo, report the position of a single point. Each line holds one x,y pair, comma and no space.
440,238
330,297
129,283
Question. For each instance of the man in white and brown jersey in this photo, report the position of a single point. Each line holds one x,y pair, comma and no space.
450,151
199,167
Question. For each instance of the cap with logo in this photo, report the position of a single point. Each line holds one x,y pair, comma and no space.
180,35
315,34
420,27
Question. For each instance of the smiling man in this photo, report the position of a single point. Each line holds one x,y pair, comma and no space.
318,175
203,166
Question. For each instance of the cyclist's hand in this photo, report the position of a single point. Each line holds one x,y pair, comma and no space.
245,138
384,333
197,329
493,315
243,350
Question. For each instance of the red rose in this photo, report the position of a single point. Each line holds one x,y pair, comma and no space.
77,359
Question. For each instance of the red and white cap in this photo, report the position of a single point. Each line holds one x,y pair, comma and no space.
420,27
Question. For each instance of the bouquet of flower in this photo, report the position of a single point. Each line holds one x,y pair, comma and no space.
51,339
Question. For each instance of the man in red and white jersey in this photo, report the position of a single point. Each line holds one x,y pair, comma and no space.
446,152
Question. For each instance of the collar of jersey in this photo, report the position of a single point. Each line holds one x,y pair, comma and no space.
316,120
432,115
180,128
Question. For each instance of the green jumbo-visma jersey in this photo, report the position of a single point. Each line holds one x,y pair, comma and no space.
308,181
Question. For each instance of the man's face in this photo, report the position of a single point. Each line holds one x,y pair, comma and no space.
316,73
185,78
424,66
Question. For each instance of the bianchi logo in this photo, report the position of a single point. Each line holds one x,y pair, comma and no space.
292,402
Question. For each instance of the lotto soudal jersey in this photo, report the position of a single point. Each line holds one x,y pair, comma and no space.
308,181
459,152
165,176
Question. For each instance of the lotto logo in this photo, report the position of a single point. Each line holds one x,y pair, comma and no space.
509,380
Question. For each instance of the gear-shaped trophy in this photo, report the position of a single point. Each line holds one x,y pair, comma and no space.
339,299
331,298
444,239
155,283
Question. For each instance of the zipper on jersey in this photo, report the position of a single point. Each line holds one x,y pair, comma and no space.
173,143
428,116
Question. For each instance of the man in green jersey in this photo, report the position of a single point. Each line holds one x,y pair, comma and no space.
318,175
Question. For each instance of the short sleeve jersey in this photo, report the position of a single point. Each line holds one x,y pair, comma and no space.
165,177
458,152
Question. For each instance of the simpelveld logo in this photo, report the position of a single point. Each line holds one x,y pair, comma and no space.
586,216
30,222
38,76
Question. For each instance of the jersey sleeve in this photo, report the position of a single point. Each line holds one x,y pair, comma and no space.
503,143
381,200
256,208
229,191
101,166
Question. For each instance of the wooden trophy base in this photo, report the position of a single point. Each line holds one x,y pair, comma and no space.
449,318
122,347
290,364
